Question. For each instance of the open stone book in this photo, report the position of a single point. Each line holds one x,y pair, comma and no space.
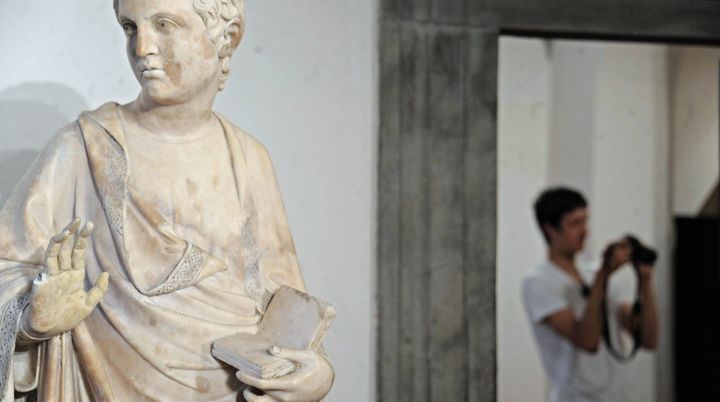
293,320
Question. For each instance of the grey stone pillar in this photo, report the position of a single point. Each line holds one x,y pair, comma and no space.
437,204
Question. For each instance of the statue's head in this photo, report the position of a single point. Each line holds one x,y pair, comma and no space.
180,48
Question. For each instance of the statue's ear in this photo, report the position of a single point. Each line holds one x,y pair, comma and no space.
232,36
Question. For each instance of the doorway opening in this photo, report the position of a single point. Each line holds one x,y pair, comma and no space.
635,128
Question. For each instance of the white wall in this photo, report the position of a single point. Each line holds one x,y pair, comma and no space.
303,82
593,116
523,142
631,173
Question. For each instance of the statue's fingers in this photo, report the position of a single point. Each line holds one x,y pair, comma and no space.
65,255
249,396
265,385
51,255
80,248
74,225
96,294
297,356
253,397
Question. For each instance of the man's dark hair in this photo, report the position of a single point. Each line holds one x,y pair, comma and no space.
553,204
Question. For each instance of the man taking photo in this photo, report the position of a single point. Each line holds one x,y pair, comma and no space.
569,305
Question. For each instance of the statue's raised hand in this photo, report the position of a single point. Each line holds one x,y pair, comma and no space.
59,302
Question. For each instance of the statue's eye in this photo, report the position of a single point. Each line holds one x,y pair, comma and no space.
129,28
164,24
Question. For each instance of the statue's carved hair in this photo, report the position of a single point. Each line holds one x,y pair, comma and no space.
218,15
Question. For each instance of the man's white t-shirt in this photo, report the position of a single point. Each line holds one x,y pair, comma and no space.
575,376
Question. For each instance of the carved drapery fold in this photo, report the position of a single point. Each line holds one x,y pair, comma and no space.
184,273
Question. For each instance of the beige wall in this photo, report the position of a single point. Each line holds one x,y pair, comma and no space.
694,75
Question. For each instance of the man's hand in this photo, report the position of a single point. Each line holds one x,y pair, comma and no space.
309,382
646,273
59,302
616,255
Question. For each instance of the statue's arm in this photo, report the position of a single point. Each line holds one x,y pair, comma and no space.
280,260
314,375
43,200
35,252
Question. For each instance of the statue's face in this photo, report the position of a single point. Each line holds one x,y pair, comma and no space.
169,49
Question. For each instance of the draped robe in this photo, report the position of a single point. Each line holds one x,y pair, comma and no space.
168,299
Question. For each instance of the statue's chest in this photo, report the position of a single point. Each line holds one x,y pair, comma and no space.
191,185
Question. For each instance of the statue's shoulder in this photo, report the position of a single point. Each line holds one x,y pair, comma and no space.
248,142
68,134
68,138
106,111
65,149
71,133
106,116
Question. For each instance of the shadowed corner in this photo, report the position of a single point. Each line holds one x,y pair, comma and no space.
711,207
30,114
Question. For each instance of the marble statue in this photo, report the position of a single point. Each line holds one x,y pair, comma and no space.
187,244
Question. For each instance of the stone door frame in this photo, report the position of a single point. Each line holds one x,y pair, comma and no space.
437,189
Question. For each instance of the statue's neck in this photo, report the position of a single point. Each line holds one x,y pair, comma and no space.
181,120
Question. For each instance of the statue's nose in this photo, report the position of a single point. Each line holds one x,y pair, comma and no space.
146,43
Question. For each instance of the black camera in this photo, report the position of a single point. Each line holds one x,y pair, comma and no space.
641,254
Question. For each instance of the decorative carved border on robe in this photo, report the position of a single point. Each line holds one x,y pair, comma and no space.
9,320
114,191
253,280
184,273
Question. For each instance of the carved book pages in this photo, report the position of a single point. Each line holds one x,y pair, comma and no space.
293,319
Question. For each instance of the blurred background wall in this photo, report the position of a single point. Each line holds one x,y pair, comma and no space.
303,83
634,127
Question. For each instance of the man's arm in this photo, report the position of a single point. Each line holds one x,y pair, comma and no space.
585,333
648,319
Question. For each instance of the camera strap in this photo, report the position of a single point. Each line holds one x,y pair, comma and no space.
636,333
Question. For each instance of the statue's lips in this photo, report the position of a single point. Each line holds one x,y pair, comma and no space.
150,73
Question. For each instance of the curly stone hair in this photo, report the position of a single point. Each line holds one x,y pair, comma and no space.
218,16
